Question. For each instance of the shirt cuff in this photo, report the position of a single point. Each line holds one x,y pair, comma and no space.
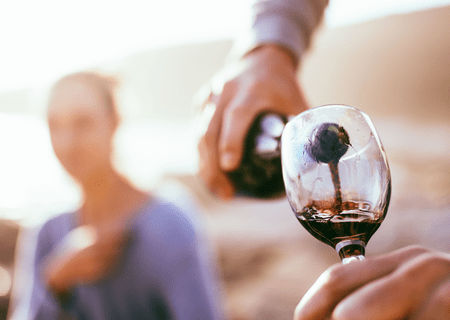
286,23
275,30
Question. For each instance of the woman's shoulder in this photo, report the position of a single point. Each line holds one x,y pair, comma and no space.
58,225
53,231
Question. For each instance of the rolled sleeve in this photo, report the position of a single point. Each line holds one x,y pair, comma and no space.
287,23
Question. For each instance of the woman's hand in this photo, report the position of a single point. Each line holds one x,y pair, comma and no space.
87,255
411,283
265,79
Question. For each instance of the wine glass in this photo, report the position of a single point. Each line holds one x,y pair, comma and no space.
336,176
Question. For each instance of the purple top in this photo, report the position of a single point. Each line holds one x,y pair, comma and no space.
163,273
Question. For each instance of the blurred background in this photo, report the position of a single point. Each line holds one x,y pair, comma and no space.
390,59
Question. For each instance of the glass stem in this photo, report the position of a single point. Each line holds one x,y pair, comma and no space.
351,250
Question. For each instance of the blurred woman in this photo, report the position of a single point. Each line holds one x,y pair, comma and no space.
123,254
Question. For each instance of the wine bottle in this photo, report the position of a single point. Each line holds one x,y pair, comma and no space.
259,174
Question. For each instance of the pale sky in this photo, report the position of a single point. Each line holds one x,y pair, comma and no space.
42,39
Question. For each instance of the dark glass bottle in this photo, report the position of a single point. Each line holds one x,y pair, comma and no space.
259,174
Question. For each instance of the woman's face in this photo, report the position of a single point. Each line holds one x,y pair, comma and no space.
81,127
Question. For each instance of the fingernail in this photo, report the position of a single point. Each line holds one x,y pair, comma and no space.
227,161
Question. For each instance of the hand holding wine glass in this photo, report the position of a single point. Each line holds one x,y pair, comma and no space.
409,283
336,176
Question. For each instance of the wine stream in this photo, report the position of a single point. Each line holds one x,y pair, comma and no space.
333,165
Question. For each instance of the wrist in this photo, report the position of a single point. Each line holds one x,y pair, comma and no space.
275,51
